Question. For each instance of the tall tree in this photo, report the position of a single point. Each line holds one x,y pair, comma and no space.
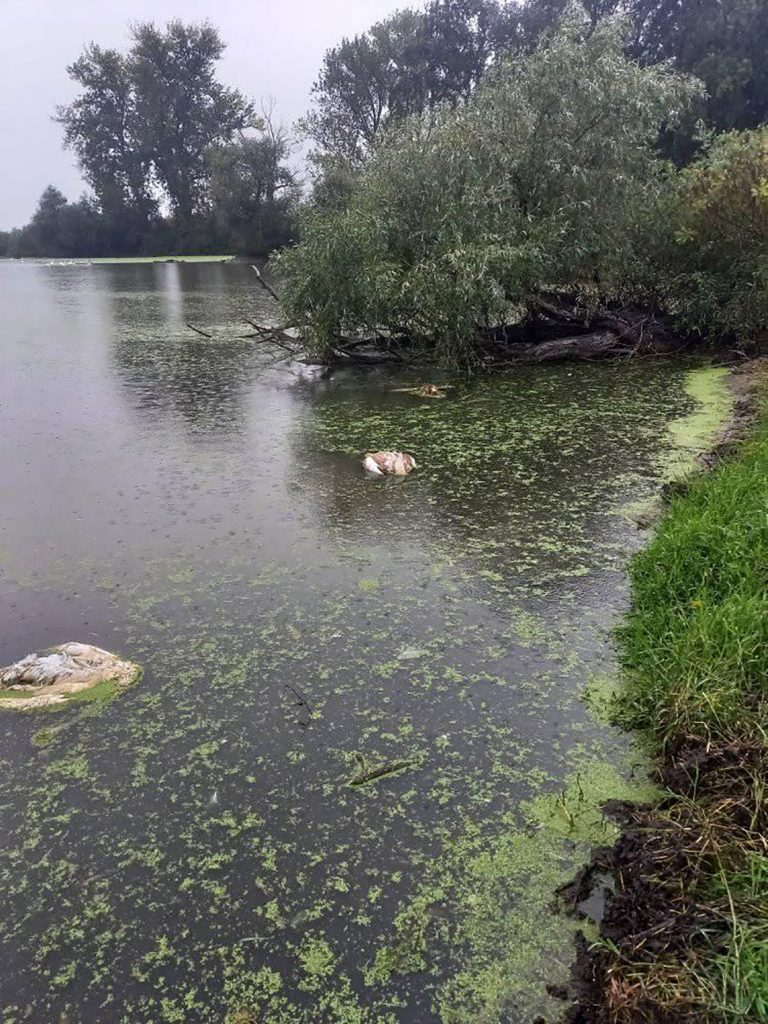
415,60
144,121
252,191
102,129
461,39
181,110
722,42
404,65
357,86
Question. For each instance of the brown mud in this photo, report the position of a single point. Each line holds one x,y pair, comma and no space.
662,916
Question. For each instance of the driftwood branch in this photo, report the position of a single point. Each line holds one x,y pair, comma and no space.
198,331
275,336
301,700
263,283
381,771
266,330
348,354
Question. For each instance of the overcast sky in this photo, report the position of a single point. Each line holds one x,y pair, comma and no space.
274,49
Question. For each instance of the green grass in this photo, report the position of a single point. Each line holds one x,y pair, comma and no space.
695,645
736,980
741,975
694,650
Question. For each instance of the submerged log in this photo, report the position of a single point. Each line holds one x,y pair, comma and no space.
596,345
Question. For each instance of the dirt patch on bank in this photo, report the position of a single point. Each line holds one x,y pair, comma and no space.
664,915
746,383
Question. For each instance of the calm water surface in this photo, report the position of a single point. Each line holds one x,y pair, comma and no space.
194,852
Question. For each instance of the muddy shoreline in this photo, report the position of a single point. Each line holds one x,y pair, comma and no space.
654,919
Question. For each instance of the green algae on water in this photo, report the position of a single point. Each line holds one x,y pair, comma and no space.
488,899
195,855
691,435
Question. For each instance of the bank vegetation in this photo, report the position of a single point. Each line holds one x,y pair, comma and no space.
685,936
541,208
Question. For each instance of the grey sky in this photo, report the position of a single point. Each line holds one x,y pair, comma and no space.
274,49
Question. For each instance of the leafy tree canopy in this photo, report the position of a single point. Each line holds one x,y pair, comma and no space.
176,160
415,60
541,179
406,64
144,121
713,266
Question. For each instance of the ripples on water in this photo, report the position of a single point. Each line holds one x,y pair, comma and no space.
193,852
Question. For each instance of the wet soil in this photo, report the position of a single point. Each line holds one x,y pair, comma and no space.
660,915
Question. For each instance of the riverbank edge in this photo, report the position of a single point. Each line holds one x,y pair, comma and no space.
672,943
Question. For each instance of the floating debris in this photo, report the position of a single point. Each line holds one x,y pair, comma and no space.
380,771
55,676
430,391
409,653
425,390
389,463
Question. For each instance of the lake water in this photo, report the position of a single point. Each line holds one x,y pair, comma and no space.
193,851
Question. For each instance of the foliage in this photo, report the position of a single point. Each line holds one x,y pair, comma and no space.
102,129
694,649
358,86
695,645
721,42
181,110
252,193
404,65
58,228
463,214
145,120
415,60
716,273
162,144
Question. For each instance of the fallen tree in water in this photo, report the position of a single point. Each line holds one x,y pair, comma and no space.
559,328
537,221
560,331
521,218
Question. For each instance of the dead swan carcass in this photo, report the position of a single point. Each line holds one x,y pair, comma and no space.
52,677
389,463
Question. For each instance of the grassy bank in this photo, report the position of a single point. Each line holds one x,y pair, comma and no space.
695,645
686,936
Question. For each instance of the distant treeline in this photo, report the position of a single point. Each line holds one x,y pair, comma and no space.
177,162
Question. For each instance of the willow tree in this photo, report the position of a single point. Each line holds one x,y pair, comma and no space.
464,216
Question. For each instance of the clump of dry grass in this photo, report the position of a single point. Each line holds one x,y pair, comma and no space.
684,937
